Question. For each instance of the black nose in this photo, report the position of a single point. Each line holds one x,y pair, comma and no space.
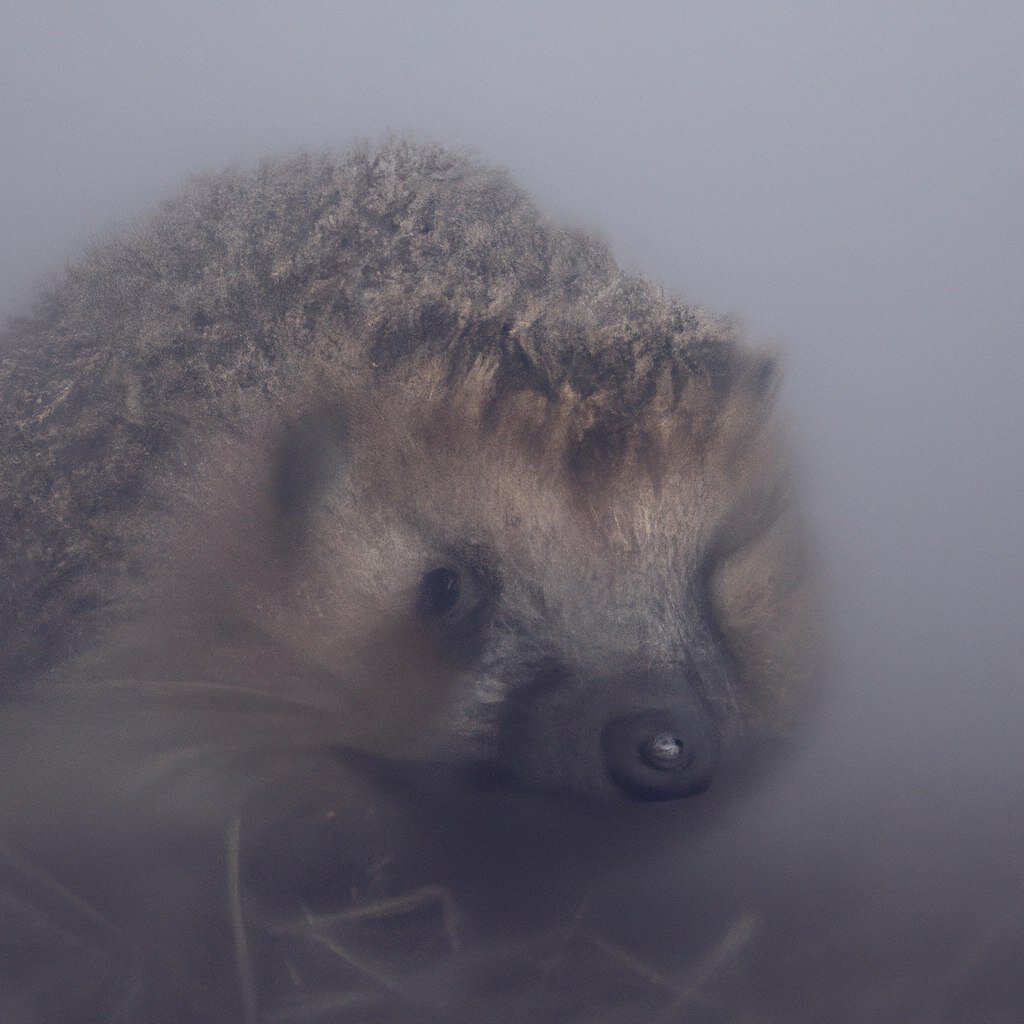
660,755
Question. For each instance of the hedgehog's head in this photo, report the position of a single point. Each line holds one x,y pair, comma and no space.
590,586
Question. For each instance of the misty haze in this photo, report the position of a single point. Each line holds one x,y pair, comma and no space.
845,182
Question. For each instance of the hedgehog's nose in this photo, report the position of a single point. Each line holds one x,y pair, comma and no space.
660,755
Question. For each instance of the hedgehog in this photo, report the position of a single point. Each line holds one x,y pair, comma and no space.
344,471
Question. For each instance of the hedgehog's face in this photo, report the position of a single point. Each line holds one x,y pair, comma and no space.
473,596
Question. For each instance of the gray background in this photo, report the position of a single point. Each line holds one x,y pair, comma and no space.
846,177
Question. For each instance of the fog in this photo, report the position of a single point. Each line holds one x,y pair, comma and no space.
844,178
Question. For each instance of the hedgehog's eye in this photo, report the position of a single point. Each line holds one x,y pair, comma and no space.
439,592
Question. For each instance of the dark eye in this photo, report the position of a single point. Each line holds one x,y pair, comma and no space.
439,592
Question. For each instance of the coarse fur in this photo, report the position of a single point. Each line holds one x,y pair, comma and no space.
238,439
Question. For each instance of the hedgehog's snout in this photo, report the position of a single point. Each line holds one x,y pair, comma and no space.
661,754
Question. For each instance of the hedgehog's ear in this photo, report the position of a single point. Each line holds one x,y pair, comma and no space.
765,375
310,455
